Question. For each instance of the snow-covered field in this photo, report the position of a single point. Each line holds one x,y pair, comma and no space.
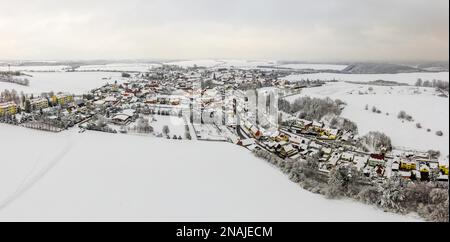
34,68
315,66
73,82
103,177
421,103
191,63
54,68
244,64
409,78
175,124
135,67
249,64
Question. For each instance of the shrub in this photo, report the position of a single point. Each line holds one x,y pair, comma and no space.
311,108
344,124
375,142
403,115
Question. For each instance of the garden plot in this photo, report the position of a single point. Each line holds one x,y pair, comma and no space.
176,125
208,132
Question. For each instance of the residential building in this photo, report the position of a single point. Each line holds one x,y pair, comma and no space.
62,99
8,108
39,103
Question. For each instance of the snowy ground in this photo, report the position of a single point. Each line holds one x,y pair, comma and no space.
191,63
73,82
409,78
421,103
135,67
244,64
315,66
176,125
248,64
101,177
34,68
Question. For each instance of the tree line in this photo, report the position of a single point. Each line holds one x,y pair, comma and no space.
443,85
429,199
311,108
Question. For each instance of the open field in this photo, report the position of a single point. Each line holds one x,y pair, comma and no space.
102,177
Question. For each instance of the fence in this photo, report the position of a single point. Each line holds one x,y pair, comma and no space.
42,126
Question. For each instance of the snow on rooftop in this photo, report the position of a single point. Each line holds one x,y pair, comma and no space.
129,112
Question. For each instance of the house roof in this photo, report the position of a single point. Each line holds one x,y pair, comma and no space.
298,139
254,129
129,112
377,156
303,146
315,145
305,122
110,99
347,155
334,159
443,162
99,102
360,161
38,100
288,148
318,124
333,131
327,150
247,142
443,177
121,117
395,166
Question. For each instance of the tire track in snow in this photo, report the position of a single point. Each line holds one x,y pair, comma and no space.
25,186
30,173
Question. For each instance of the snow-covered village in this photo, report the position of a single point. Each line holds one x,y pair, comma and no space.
259,109
224,111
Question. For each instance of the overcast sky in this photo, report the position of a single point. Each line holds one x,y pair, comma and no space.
315,30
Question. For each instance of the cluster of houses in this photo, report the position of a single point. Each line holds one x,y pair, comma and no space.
175,91
121,104
51,112
331,147
420,166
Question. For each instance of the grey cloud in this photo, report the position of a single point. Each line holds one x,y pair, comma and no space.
267,29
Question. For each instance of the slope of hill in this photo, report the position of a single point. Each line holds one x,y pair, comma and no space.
435,66
102,177
379,68
423,104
